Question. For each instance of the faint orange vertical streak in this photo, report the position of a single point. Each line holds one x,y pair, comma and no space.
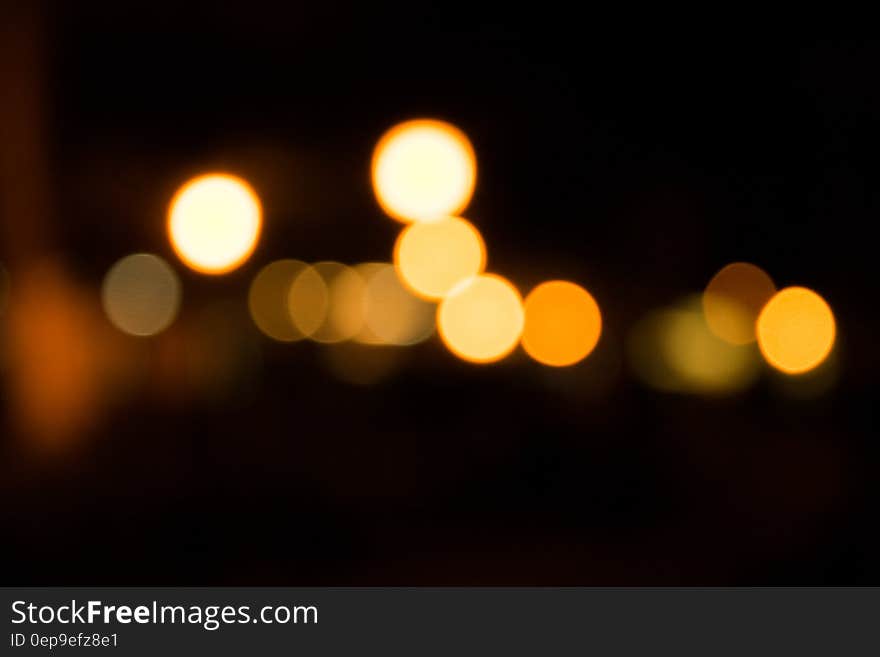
24,204
56,342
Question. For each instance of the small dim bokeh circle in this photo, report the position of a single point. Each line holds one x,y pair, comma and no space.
141,294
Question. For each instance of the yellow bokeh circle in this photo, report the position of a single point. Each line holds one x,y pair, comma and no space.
674,350
796,330
432,258
482,319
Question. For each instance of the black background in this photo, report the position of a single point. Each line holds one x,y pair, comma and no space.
636,166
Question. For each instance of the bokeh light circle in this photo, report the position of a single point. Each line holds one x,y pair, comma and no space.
423,170
367,270
562,323
392,314
482,319
673,350
432,258
141,294
214,222
796,330
733,299
268,300
308,301
701,361
344,316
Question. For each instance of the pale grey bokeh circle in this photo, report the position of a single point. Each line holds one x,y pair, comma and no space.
141,294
